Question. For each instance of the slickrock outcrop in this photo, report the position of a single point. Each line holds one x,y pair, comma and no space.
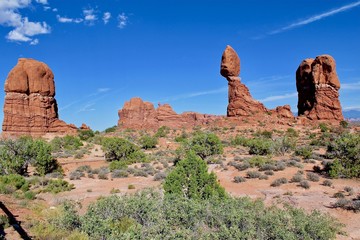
137,114
241,102
30,107
318,87
84,127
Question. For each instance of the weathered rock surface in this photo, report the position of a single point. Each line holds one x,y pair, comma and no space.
84,127
318,87
241,102
30,107
137,114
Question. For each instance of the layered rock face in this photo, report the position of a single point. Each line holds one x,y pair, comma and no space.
30,107
318,87
241,102
137,114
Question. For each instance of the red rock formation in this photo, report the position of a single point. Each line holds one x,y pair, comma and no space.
30,107
84,127
241,102
137,114
317,84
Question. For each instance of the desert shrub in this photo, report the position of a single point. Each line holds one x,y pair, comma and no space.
304,184
118,149
283,145
263,177
76,175
297,178
13,182
269,172
163,131
253,174
327,183
349,190
84,168
260,146
339,195
110,129
204,144
182,137
264,134
278,182
140,173
147,215
323,127
85,135
159,176
344,124
346,151
304,152
290,132
191,179
267,167
312,177
119,174
16,155
131,186
280,166
238,179
240,140
258,161
341,203
148,142
58,185
103,173
67,142
117,165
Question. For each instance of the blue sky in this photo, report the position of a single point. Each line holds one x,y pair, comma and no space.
105,52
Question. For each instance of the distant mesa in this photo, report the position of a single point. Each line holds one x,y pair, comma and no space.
30,106
241,103
318,87
137,114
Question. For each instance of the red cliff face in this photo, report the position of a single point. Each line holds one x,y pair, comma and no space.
137,114
30,107
317,84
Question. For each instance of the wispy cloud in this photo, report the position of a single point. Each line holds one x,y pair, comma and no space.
194,94
123,20
106,17
68,20
102,90
279,97
316,18
89,16
350,86
24,30
88,107
357,108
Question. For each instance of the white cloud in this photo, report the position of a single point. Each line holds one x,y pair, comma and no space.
45,2
55,9
23,29
279,97
123,20
68,20
102,90
106,17
357,108
350,86
27,29
315,18
89,16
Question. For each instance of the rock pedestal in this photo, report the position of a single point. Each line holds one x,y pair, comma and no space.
30,106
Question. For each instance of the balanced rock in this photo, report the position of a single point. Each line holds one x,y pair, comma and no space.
318,87
30,107
137,114
241,102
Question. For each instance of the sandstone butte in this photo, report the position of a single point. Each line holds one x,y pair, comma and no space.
30,106
318,87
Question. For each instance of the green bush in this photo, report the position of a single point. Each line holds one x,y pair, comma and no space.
260,146
147,215
68,142
148,142
118,149
323,127
163,131
191,179
58,185
110,129
85,135
346,151
304,152
16,155
204,144
12,182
